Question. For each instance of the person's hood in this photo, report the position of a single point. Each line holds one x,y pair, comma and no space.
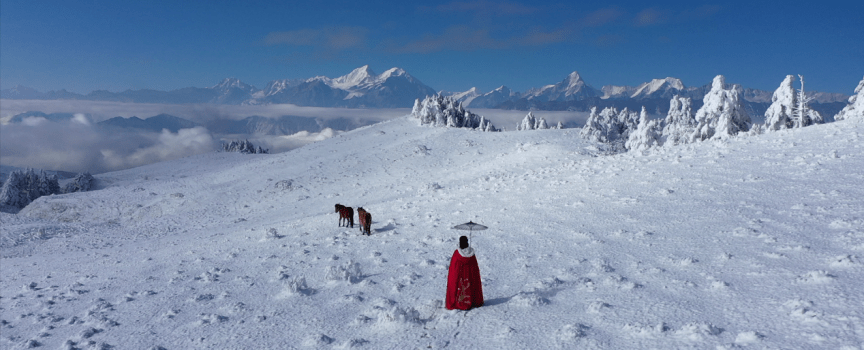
467,252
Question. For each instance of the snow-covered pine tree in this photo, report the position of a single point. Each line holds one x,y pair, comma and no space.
244,147
855,109
80,183
627,122
560,125
23,187
541,124
12,193
47,184
593,129
679,123
527,123
646,135
445,111
779,113
609,126
722,114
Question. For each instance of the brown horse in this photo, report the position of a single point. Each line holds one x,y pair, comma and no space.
345,213
365,221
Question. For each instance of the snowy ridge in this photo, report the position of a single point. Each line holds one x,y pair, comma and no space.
659,88
746,242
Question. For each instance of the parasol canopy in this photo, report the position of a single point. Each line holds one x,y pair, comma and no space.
470,226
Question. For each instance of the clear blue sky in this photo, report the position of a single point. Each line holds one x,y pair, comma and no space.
117,45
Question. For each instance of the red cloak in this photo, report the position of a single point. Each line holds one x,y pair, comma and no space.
464,290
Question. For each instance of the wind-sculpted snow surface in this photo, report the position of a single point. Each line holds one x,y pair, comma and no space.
747,242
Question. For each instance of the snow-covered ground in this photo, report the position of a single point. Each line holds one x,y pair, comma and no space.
753,242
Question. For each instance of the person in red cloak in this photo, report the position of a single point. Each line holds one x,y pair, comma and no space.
464,290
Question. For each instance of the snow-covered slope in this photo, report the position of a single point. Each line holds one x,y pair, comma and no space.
750,241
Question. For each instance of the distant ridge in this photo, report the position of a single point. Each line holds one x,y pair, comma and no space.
396,88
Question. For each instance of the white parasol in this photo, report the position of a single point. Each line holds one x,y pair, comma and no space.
470,226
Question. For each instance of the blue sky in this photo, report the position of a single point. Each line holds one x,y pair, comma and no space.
117,45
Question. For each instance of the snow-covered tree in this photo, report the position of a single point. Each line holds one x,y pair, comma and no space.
446,111
679,123
80,183
13,192
610,126
25,186
541,124
244,147
560,125
627,122
789,109
722,114
779,113
855,109
593,129
527,123
646,135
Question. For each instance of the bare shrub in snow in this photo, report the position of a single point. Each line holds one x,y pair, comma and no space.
271,233
722,114
855,109
297,286
350,272
446,111
286,185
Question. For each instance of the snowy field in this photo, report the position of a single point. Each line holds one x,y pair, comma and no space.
755,242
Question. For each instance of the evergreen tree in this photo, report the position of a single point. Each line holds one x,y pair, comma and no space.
855,108
646,135
679,123
722,114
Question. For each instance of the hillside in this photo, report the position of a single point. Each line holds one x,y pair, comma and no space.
753,241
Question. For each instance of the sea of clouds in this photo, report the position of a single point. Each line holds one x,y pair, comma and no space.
79,144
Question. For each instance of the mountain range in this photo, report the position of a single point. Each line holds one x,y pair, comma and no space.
395,88
284,125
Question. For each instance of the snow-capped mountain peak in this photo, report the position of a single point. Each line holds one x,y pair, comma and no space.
229,83
574,81
664,88
356,77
